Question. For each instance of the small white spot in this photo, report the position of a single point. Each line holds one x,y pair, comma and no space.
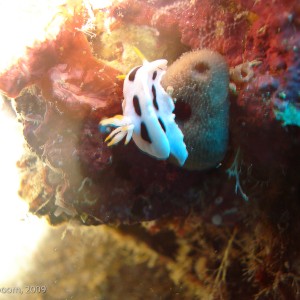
217,220
170,91
218,200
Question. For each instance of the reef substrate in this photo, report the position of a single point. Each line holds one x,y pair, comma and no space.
230,232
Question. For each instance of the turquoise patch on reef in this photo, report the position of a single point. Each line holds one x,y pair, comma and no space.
289,116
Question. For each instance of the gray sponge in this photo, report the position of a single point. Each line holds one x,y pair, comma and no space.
198,82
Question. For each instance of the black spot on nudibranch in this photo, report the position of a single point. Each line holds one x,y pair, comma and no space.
162,124
154,75
131,76
154,97
144,133
136,105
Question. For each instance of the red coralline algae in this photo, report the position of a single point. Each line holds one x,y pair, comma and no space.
216,25
132,11
67,72
28,70
271,40
79,79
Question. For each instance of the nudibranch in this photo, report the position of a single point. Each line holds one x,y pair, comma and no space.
148,114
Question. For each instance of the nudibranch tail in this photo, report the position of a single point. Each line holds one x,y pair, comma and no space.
177,146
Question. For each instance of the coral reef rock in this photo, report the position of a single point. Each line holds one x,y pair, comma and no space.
219,236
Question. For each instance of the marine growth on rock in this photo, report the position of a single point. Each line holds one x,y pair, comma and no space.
214,243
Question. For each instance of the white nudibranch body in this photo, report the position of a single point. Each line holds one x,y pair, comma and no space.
148,114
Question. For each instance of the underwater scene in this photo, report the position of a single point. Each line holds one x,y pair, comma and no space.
150,149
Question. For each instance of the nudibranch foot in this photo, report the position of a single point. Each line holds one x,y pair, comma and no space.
124,128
